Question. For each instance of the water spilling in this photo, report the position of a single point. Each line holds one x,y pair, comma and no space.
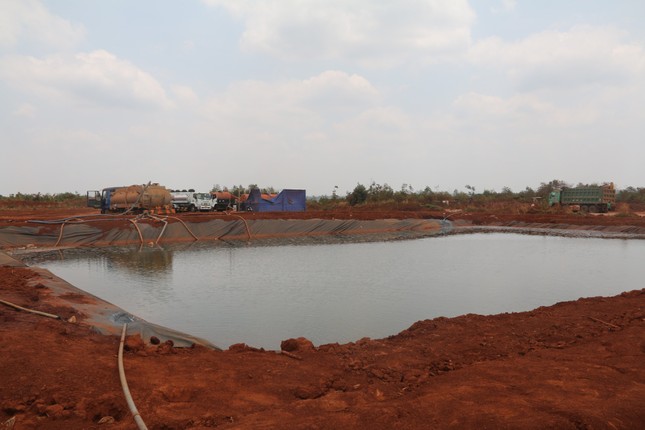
261,295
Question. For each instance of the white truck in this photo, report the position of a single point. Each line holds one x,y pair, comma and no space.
184,201
204,202
190,201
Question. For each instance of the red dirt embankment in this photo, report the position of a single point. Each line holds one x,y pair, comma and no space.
572,365
482,216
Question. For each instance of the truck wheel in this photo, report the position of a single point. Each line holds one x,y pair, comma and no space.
192,208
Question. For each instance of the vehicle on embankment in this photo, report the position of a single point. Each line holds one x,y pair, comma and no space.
190,201
224,201
156,198
133,198
205,202
183,200
599,198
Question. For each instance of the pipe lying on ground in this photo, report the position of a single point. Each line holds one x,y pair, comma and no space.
124,385
33,311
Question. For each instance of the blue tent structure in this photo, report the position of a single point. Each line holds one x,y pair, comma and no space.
286,201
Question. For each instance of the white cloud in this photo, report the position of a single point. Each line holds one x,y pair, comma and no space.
509,4
379,138
25,110
184,94
526,110
550,97
306,123
188,45
337,91
97,78
382,33
297,103
551,59
505,7
557,80
30,20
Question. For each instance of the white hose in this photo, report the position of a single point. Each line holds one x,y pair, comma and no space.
124,385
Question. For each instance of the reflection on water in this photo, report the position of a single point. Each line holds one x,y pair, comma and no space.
261,295
139,261
150,261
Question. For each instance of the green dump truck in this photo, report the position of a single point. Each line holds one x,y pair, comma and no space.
600,198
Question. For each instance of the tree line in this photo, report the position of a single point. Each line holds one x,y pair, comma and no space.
45,198
238,190
377,193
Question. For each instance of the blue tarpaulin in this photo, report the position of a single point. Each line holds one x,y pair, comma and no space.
286,201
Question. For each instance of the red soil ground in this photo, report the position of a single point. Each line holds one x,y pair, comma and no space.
577,365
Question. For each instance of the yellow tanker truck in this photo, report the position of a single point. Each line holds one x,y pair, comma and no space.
133,198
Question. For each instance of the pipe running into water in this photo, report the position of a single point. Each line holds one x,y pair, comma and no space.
60,236
248,231
134,221
124,385
184,224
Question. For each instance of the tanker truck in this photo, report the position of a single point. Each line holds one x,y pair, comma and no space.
134,198
190,201
599,198
183,201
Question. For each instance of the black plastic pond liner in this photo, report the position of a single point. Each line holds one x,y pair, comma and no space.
159,230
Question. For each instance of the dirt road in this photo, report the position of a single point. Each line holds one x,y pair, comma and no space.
572,365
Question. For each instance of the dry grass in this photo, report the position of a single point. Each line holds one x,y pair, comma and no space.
623,208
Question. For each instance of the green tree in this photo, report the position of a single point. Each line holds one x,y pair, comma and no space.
545,188
237,190
379,193
358,195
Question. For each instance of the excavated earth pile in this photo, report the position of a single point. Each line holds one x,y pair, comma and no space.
573,365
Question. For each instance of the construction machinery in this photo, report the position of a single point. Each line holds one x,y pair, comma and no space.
598,198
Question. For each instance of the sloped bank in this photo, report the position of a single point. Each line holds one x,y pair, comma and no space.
154,230
67,301
563,229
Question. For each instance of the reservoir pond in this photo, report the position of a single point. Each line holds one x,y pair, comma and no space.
261,294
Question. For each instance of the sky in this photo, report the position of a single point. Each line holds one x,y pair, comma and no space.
314,94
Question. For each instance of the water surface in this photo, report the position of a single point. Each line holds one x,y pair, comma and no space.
261,295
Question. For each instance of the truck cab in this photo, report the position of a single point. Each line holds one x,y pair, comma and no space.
204,202
554,197
100,199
